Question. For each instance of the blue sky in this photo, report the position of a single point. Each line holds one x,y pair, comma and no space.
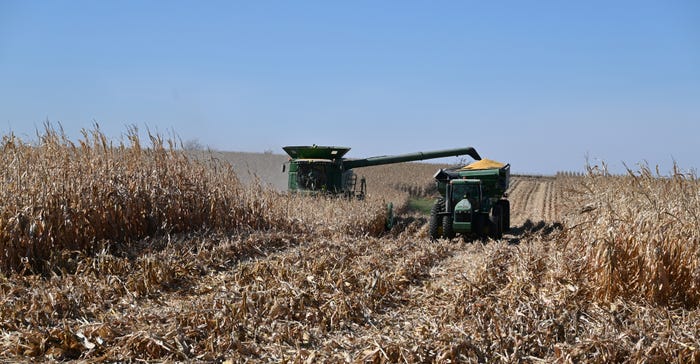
540,84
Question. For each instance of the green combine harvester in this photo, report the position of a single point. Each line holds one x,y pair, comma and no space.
323,170
473,201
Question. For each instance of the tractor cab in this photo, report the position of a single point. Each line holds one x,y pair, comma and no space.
466,189
465,197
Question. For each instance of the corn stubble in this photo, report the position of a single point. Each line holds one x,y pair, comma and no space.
124,252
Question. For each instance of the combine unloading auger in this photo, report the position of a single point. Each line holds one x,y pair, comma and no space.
323,169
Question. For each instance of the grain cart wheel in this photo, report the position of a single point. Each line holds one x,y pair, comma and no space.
496,223
505,209
447,228
435,228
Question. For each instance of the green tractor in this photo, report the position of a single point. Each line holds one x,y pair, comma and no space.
473,201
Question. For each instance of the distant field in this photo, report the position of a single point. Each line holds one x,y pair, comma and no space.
139,253
266,167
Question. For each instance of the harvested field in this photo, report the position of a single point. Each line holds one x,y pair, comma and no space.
595,269
534,198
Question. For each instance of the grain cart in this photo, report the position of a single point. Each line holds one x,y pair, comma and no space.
322,169
473,201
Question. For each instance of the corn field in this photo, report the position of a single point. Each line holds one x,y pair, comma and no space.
125,251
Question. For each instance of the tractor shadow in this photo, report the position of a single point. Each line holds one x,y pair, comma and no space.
530,229
412,222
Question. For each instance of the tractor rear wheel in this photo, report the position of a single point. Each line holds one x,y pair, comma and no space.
448,230
496,223
435,227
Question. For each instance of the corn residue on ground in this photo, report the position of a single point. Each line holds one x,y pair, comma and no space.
123,252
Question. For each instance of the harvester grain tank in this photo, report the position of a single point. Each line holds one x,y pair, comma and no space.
322,169
473,201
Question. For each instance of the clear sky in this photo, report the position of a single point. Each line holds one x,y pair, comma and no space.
539,84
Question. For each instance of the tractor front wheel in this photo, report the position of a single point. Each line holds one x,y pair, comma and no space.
448,230
435,228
